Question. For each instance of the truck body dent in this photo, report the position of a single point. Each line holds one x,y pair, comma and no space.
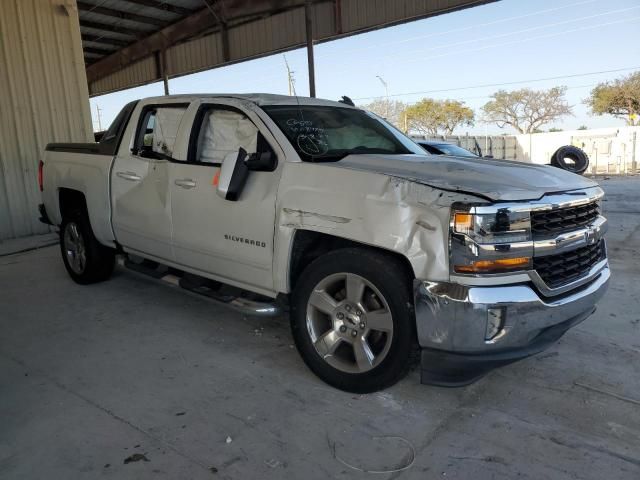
369,208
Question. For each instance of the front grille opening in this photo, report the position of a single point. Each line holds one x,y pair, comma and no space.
552,222
563,268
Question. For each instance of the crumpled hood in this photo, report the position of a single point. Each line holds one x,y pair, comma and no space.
494,179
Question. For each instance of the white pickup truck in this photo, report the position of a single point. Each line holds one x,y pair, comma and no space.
377,249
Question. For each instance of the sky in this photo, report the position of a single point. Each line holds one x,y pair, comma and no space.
462,55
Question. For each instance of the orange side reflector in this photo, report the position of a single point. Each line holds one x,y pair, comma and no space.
216,179
488,266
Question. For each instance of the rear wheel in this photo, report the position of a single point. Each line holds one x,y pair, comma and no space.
86,260
352,319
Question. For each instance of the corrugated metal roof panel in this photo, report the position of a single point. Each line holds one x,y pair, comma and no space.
102,33
195,55
140,9
363,14
43,99
139,73
117,22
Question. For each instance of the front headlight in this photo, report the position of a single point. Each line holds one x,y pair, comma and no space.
486,243
499,227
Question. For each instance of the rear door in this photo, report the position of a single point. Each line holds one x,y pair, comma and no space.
141,196
228,240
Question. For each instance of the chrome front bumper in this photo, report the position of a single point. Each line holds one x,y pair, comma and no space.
452,318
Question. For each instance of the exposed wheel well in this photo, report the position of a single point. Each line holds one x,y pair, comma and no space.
309,245
71,202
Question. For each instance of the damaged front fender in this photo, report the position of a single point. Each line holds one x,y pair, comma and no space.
374,209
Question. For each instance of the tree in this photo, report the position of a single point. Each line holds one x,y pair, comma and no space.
390,110
431,117
526,110
620,98
583,127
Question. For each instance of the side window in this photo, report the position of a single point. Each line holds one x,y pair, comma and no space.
110,141
224,131
158,130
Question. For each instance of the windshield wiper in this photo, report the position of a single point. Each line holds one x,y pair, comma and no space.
361,150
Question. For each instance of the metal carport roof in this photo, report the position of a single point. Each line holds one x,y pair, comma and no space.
127,43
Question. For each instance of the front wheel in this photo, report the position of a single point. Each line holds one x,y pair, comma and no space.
86,260
352,319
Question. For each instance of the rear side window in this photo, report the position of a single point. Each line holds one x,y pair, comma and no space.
158,130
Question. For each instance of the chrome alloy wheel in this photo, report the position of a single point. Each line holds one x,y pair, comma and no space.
74,248
349,322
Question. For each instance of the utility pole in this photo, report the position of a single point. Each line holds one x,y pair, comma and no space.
291,80
386,89
98,114
310,62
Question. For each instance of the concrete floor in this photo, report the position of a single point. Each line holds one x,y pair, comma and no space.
92,375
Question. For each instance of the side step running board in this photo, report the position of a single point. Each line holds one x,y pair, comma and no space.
222,294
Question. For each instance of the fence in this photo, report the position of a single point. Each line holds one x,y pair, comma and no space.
610,150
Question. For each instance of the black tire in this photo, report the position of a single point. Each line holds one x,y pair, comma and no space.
99,260
393,280
578,160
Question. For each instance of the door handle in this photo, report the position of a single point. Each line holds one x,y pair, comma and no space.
185,183
131,176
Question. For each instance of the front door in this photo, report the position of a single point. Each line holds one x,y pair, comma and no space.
141,197
228,240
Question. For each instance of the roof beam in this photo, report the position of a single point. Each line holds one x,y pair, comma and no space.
162,39
97,50
110,12
112,28
162,5
106,40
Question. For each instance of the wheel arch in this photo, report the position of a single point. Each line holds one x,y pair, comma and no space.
71,201
308,245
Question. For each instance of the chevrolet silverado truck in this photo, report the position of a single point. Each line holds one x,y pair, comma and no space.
377,249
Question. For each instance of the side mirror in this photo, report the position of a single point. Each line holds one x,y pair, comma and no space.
262,162
233,175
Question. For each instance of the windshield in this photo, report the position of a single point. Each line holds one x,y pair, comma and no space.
449,149
326,133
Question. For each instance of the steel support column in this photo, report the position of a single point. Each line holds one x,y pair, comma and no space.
311,67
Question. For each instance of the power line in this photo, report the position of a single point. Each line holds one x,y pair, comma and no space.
503,84
496,36
463,29
516,32
502,20
501,44
486,47
478,97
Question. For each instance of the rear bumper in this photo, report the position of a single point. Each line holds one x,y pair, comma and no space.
452,325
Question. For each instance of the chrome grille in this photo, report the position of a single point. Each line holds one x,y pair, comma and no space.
550,222
558,270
